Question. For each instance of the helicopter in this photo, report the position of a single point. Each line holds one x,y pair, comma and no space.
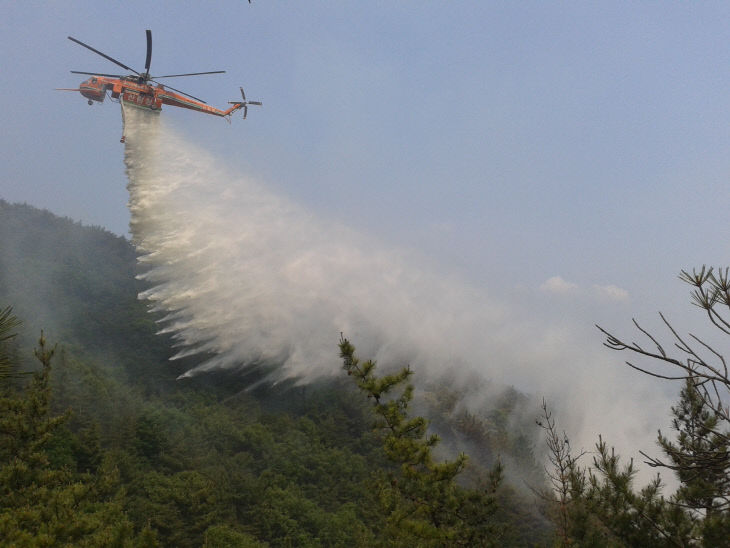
142,90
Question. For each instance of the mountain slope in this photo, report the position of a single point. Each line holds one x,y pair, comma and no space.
78,284
205,457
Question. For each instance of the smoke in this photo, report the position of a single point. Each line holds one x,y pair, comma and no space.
246,276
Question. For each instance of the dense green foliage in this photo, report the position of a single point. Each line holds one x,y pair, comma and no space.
44,503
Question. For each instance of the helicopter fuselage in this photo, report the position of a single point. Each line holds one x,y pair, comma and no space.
142,95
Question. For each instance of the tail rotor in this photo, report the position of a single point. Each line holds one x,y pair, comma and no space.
244,104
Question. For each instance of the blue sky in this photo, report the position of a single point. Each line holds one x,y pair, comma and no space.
551,148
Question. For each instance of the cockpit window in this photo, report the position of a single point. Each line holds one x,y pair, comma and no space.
93,80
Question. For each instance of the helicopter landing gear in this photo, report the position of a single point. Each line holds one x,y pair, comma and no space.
90,102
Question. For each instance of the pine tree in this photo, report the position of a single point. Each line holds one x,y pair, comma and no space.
564,478
41,505
635,518
701,454
701,459
599,505
424,505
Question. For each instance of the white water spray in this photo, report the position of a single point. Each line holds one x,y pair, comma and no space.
248,276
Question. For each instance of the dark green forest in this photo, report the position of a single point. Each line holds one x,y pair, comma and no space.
101,445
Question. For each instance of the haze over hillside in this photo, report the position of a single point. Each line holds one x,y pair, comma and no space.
191,434
243,273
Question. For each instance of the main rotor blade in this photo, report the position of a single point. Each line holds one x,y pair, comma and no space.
191,74
149,52
98,74
181,92
80,43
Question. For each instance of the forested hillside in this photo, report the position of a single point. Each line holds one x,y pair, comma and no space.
101,445
133,457
77,284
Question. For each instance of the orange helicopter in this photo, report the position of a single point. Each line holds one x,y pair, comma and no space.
135,90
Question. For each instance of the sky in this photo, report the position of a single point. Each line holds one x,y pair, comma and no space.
569,158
